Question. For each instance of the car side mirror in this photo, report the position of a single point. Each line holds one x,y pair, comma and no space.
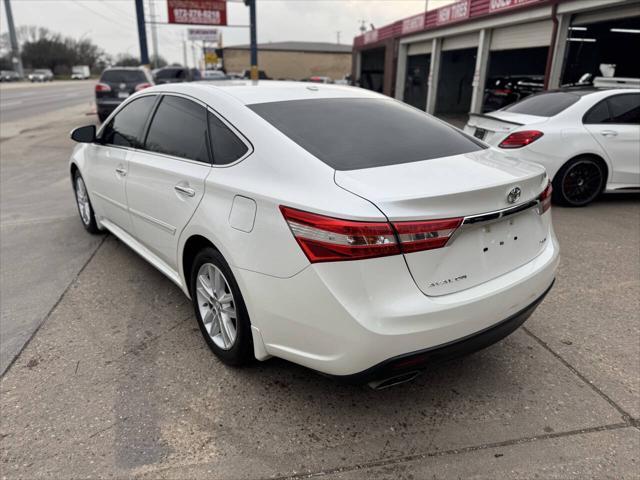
85,134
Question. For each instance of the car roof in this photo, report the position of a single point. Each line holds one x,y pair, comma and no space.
263,91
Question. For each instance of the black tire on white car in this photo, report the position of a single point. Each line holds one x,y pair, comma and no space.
220,309
579,182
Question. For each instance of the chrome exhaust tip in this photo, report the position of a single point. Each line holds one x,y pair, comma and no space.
393,381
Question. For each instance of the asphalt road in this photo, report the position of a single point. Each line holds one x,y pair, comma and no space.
117,381
21,101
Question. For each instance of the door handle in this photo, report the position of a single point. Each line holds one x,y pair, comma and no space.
609,133
121,171
188,191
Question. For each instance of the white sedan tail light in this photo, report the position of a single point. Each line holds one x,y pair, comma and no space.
328,239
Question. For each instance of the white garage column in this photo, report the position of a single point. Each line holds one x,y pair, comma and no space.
434,74
480,73
358,69
401,70
559,51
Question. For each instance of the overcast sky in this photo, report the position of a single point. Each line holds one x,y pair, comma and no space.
111,24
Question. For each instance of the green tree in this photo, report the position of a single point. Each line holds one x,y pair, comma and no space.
127,60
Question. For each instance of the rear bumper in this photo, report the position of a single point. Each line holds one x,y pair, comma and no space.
108,104
345,318
416,361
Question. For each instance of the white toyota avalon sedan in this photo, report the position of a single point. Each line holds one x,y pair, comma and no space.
588,139
326,225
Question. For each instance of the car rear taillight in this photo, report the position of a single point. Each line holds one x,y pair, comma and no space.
502,91
545,199
425,235
102,87
328,239
520,139
142,86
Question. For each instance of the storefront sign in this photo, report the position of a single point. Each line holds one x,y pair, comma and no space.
413,24
495,5
197,12
453,13
203,34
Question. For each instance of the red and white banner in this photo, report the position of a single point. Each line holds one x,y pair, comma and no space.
496,5
197,12
453,13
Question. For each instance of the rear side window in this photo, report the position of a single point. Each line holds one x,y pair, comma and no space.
625,109
620,109
127,127
599,113
544,105
123,76
179,128
226,146
354,133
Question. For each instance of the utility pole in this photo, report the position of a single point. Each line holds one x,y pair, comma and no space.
184,50
338,35
154,32
16,60
254,45
142,33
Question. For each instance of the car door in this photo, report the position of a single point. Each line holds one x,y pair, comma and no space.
166,179
615,124
107,166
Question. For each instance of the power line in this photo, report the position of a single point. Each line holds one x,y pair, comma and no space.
111,20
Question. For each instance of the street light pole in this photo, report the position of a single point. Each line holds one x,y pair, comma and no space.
154,32
254,44
16,60
142,33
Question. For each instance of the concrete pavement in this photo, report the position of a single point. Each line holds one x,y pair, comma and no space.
42,246
19,101
118,382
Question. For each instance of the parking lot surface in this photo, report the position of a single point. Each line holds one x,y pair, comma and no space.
117,381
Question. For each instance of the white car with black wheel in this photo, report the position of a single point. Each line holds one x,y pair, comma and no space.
587,139
326,225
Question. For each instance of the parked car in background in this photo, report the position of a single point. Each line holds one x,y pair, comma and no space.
116,84
235,75
588,139
9,76
262,75
419,245
41,75
177,75
214,75
317,79
80,72
505,90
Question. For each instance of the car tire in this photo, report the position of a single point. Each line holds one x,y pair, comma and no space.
215,293
579,182
85,209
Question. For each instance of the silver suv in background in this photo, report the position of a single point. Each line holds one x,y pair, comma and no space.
41,75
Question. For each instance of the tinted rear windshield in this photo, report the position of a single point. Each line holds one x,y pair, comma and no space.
123,76
544,105
354,133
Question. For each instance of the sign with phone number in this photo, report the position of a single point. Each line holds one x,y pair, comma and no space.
197,12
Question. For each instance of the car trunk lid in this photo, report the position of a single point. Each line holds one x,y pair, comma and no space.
473,186
495,126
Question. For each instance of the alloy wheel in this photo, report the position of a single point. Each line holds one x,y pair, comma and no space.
582,182
83,201
216,306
